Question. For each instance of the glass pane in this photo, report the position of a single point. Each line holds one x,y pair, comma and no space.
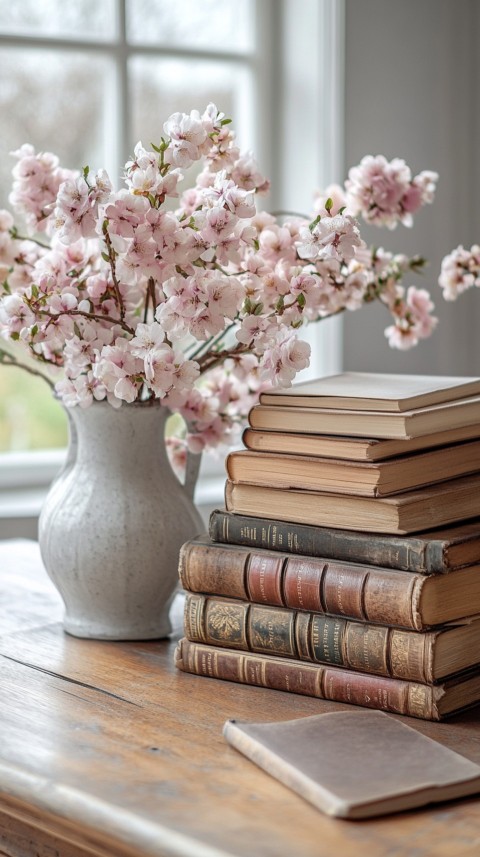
162,87
50,99
93,19
30,418
215,25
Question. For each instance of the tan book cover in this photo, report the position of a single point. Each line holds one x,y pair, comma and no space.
367,423
352,448
356,764
368,479
422,509
372,391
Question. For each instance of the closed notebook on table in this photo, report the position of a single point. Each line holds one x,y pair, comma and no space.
356,764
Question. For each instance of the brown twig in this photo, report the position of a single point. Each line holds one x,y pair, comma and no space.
111,258
7,359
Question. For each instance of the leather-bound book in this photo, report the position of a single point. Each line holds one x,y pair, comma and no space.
376,649
354,591
427,701
430,552
356,764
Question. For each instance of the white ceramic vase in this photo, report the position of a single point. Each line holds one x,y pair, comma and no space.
113,523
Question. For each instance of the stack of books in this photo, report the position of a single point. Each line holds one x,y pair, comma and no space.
347,563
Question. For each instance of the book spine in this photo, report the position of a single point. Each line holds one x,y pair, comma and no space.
310,637
391,552
380,596
338,685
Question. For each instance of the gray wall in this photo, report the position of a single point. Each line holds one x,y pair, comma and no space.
412,75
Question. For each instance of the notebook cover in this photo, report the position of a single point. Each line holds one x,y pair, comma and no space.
356,764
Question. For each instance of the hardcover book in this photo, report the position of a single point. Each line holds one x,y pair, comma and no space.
375,392
376,649
363,423
431,552
365,593
356,764
429,702
352,448
380,479
432,506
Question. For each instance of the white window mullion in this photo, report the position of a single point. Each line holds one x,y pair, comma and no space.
312,132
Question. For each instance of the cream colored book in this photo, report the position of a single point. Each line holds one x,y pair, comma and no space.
368,479
424,509
367,391
352,448
367,424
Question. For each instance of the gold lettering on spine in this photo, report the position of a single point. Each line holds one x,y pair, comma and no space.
299,579
339,593
419,701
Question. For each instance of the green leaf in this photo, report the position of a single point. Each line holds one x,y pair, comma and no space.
256,244
34,291
106,257
225,122
313,224
258,309
156,148
342,209
329,204
15,336
301,299
34,330
85,172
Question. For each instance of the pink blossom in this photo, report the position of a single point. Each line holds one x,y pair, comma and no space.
246,174
385,193
125,212
187,133
282,362
460,271
332,237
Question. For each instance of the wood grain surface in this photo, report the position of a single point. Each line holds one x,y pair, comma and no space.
106,749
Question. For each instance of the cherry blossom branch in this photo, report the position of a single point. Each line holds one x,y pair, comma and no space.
7,359
210,360
212,341
111,260
91,315
150,295
14,233
290,214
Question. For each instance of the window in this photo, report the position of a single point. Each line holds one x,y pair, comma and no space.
86,80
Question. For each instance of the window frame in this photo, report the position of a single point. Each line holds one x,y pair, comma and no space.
282,35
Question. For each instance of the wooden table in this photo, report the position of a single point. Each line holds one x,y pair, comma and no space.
106,749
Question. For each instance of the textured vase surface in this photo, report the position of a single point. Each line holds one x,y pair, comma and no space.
113,523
